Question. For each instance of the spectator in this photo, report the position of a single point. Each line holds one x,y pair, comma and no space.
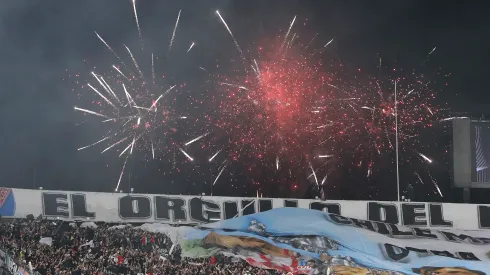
70,249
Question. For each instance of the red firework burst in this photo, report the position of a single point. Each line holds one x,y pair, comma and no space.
269,108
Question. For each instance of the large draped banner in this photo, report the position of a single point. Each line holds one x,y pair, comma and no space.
302,241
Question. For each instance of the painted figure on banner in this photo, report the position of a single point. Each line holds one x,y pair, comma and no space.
266,254
432,270
299,241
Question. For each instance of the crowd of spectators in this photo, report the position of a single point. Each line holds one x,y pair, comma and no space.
58,248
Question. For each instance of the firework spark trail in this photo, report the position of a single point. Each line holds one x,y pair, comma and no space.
436,185
368,108
101,83
287,33
257,69
432,51
186,155
277,162
325,156
453,118
211,158
425,157
311,175
125,149
111,91
114,144
190,48
314,173
196,139
430,111
175,30
122,172
134,61
153,69
132,145
289,44
110,49
232,36
418,177
88,146
236,86
324,179
328,43
128,96
102,96
219,174
119,71
154,104
137,23
152,150
90,112
309,43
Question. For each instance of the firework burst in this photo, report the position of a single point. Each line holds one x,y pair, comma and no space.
136,109
283,104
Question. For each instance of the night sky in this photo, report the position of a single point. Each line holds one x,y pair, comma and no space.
44,42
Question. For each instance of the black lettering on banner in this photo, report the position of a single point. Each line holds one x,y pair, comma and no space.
484,216
382,228
417,250
290,203
230,209
134,207
436,216
467,256
79,207
339,219
397,233
330,207
170,209
363,224
204,211
443,254
461,238
248,207
414,214
383,212
55,205
484,240
424,233
396,253
265,205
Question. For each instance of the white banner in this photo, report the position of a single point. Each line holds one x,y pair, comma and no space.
147,208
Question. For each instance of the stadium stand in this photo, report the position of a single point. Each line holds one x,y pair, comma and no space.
57,247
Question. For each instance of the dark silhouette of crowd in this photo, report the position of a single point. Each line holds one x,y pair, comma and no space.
56,247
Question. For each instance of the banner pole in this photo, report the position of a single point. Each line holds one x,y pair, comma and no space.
396,148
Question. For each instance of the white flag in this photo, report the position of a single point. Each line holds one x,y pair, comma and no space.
46,241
